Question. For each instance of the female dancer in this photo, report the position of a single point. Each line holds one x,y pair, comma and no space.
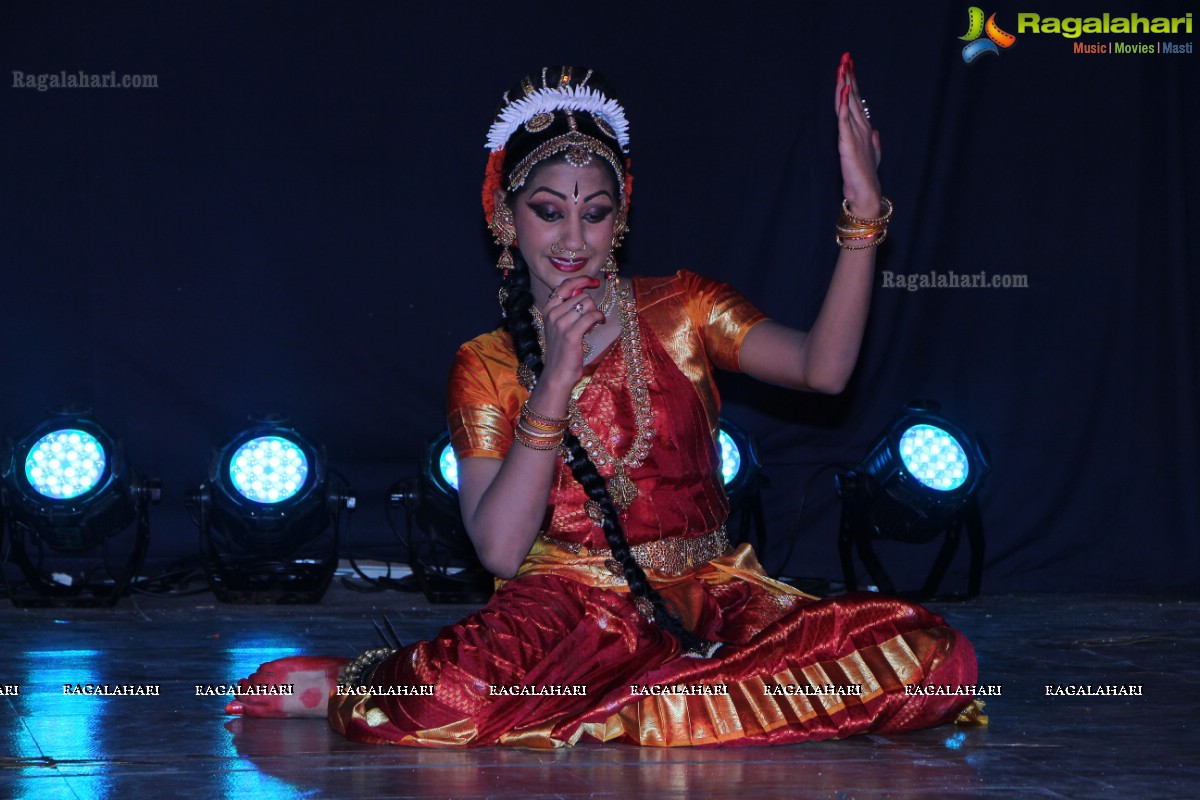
588,476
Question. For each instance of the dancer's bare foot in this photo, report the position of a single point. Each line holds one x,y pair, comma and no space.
312,679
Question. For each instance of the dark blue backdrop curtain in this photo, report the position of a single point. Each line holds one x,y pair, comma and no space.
290,221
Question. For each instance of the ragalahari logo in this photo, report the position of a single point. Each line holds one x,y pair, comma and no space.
976,27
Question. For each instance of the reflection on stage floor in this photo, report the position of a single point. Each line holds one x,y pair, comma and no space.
180,744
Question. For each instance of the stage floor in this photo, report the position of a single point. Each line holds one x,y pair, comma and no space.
179,744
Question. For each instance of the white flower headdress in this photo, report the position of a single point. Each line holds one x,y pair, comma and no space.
547,100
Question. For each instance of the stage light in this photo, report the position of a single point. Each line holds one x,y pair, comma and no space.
919,481
744,481
65,464
442,558
934,457
68,490
731,457
268,469
269,516
447,465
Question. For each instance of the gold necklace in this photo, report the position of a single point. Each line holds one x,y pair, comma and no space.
620,486
610,296
606,304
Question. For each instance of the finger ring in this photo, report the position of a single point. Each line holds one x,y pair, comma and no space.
866,111
553,294
578,308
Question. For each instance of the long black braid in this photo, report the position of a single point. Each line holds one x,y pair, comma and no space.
519,323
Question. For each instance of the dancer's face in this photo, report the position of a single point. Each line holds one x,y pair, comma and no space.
564,217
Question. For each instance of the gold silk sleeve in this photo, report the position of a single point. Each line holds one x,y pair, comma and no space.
701,323
722,315
484,397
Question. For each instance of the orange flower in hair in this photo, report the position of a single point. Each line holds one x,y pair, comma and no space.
493,179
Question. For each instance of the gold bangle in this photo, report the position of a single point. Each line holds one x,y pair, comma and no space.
536,434
878,240
883,202
858,233
542,418
536,443
525,442
536,425
844,224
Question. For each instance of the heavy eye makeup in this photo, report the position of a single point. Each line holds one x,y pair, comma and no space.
549,213
598,214
545,212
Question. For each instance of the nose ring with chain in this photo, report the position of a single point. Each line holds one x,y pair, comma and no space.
558,250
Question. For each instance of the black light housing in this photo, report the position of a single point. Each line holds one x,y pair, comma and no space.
439,551
742,476
918,482
68,489
269,516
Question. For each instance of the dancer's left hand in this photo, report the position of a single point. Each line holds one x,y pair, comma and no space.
858,144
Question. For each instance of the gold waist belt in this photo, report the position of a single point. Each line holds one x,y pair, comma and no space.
673,556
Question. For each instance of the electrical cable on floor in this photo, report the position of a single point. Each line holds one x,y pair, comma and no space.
365,584
797,529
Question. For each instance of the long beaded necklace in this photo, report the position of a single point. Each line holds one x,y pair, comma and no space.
621,487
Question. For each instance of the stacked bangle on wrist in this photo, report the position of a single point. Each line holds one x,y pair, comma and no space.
539,432
537,441
540,422
851,228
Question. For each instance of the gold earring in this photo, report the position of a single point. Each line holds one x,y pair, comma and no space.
504,228
619,231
